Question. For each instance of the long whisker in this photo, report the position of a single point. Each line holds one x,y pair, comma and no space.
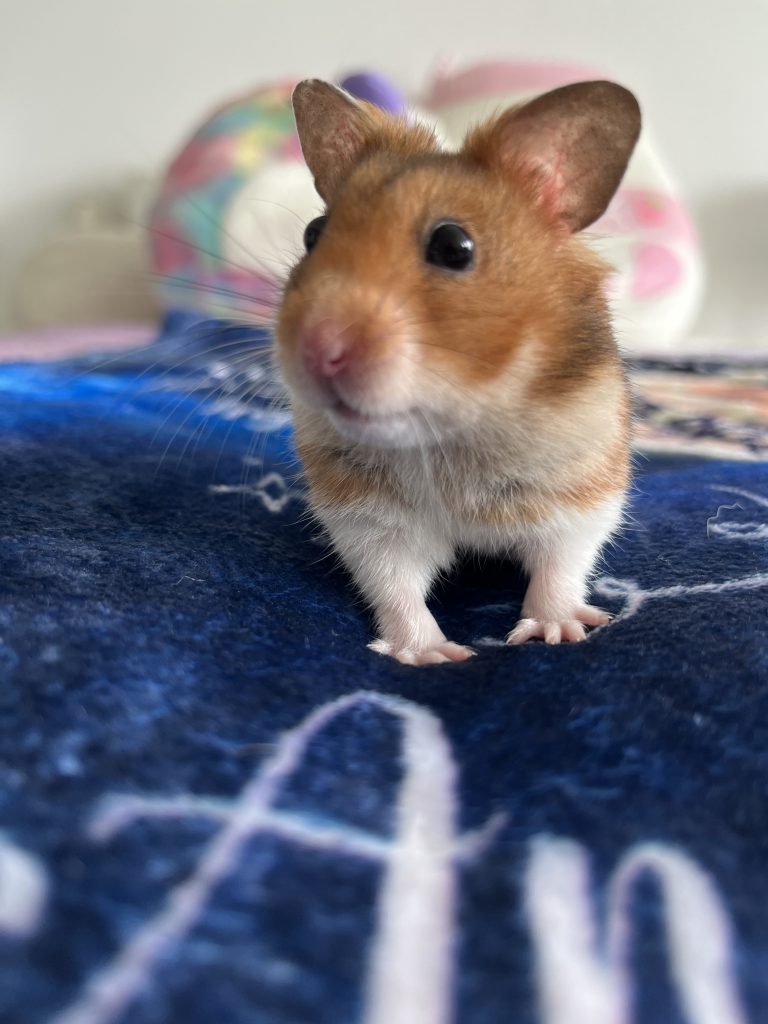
198,248
281,206
209,397
255,454
182,282
191,245
228,234
243,394
256,352
248,359
179,428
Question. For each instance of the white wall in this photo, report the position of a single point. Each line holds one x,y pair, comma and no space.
93,89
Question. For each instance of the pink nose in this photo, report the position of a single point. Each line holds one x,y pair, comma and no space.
324,349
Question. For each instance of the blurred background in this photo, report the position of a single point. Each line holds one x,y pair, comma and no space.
97,96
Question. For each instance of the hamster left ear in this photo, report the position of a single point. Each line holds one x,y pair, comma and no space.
333,131
572,144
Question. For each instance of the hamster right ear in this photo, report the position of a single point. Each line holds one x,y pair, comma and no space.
333,131
572,143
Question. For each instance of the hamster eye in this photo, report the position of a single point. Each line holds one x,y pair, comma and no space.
450,247
312,232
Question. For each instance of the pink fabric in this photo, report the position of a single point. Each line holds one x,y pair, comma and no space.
655,270
639,209
58,342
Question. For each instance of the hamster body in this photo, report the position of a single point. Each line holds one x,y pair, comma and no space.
446,342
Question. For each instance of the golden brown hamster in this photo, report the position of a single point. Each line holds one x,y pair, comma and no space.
447,345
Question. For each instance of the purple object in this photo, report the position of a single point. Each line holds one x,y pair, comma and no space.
376,89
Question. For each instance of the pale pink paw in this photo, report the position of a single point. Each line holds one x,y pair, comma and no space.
557,631
436,655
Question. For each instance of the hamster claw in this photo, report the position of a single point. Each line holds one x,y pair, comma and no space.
439,654
569,631
556,631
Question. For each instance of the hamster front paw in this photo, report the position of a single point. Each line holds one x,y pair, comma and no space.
558,630
436,654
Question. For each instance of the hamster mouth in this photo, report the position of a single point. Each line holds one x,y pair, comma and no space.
364,419
393,429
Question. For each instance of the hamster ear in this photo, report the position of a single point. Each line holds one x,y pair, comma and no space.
573,143
333,131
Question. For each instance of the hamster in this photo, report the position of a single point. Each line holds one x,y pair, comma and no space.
446,343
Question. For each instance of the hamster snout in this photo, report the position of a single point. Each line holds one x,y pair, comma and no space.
347,353
326,348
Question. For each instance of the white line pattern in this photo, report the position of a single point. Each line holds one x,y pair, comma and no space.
635,597
271,489
737,530
411,957
23,891
582,980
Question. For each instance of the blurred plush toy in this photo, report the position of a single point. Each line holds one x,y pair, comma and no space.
231,211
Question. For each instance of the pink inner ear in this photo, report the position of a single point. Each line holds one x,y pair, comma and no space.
545,155
552,167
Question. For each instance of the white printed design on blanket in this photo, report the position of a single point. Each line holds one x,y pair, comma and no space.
635,597
412,952
411,957
271,489
739,531
582,980
23,891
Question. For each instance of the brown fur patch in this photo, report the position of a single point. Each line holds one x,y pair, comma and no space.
337,481
576,339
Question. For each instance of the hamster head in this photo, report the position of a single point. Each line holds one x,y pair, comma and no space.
443,290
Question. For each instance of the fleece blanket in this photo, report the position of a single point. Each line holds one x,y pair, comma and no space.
217,804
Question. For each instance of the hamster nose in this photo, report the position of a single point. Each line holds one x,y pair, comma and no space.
324,349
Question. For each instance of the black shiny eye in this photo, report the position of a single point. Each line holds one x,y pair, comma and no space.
312,232
450,247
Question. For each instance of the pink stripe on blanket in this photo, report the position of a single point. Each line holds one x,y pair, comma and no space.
51,343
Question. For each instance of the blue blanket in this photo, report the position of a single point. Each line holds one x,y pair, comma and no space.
217,805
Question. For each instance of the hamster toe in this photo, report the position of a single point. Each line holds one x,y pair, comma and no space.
551,631
439,654
591,616
455,652
526,629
